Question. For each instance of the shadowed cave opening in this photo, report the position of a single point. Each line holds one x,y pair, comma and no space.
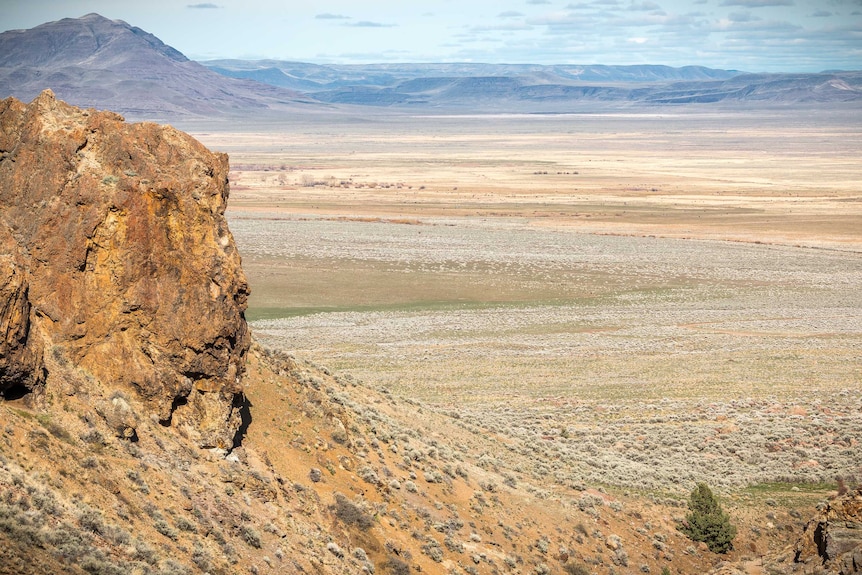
179,401
243,403
14,392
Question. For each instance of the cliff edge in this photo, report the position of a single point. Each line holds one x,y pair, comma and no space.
832,540
116,259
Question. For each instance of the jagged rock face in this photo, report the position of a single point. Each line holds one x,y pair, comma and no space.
20,355
129,269
832,541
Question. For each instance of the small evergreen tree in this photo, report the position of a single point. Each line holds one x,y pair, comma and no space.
707,522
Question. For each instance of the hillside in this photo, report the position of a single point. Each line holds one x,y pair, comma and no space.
145,431
107,64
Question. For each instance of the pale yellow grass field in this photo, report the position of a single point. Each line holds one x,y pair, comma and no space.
788,178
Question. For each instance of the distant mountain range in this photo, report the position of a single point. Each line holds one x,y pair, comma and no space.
540,88
316,78
96,62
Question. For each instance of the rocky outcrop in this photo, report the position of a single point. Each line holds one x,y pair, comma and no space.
120,262
20,354
832,541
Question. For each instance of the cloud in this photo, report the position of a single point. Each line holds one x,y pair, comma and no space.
757,3
538,1
509,14
564,21
742,17
369,24
203,6
328,16
507,27
822,14
776,27
644,6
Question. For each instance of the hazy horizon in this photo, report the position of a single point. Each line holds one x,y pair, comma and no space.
749,35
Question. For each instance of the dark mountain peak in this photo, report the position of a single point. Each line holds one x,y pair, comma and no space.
96,17
93,61
91,40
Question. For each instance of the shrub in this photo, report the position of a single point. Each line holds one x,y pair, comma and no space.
144,552
707,522
165,529
98,565
183,524
251,536
91,520
351,514
333,548
171,567
432,550
575,569
396,566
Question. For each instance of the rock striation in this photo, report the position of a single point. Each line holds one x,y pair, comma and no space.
832,541
116,260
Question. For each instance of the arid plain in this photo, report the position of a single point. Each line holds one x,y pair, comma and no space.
638,299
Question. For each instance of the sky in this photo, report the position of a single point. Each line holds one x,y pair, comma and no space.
749,35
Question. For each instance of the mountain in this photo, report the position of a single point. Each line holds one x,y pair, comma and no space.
524,87
107,64
314,77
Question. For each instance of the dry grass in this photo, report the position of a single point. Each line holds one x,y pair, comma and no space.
678,293
663,362
782,177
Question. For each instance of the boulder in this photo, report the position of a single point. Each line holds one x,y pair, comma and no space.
126,262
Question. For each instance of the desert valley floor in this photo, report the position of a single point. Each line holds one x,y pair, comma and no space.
652,299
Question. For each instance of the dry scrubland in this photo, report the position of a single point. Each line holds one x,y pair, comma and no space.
633,300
